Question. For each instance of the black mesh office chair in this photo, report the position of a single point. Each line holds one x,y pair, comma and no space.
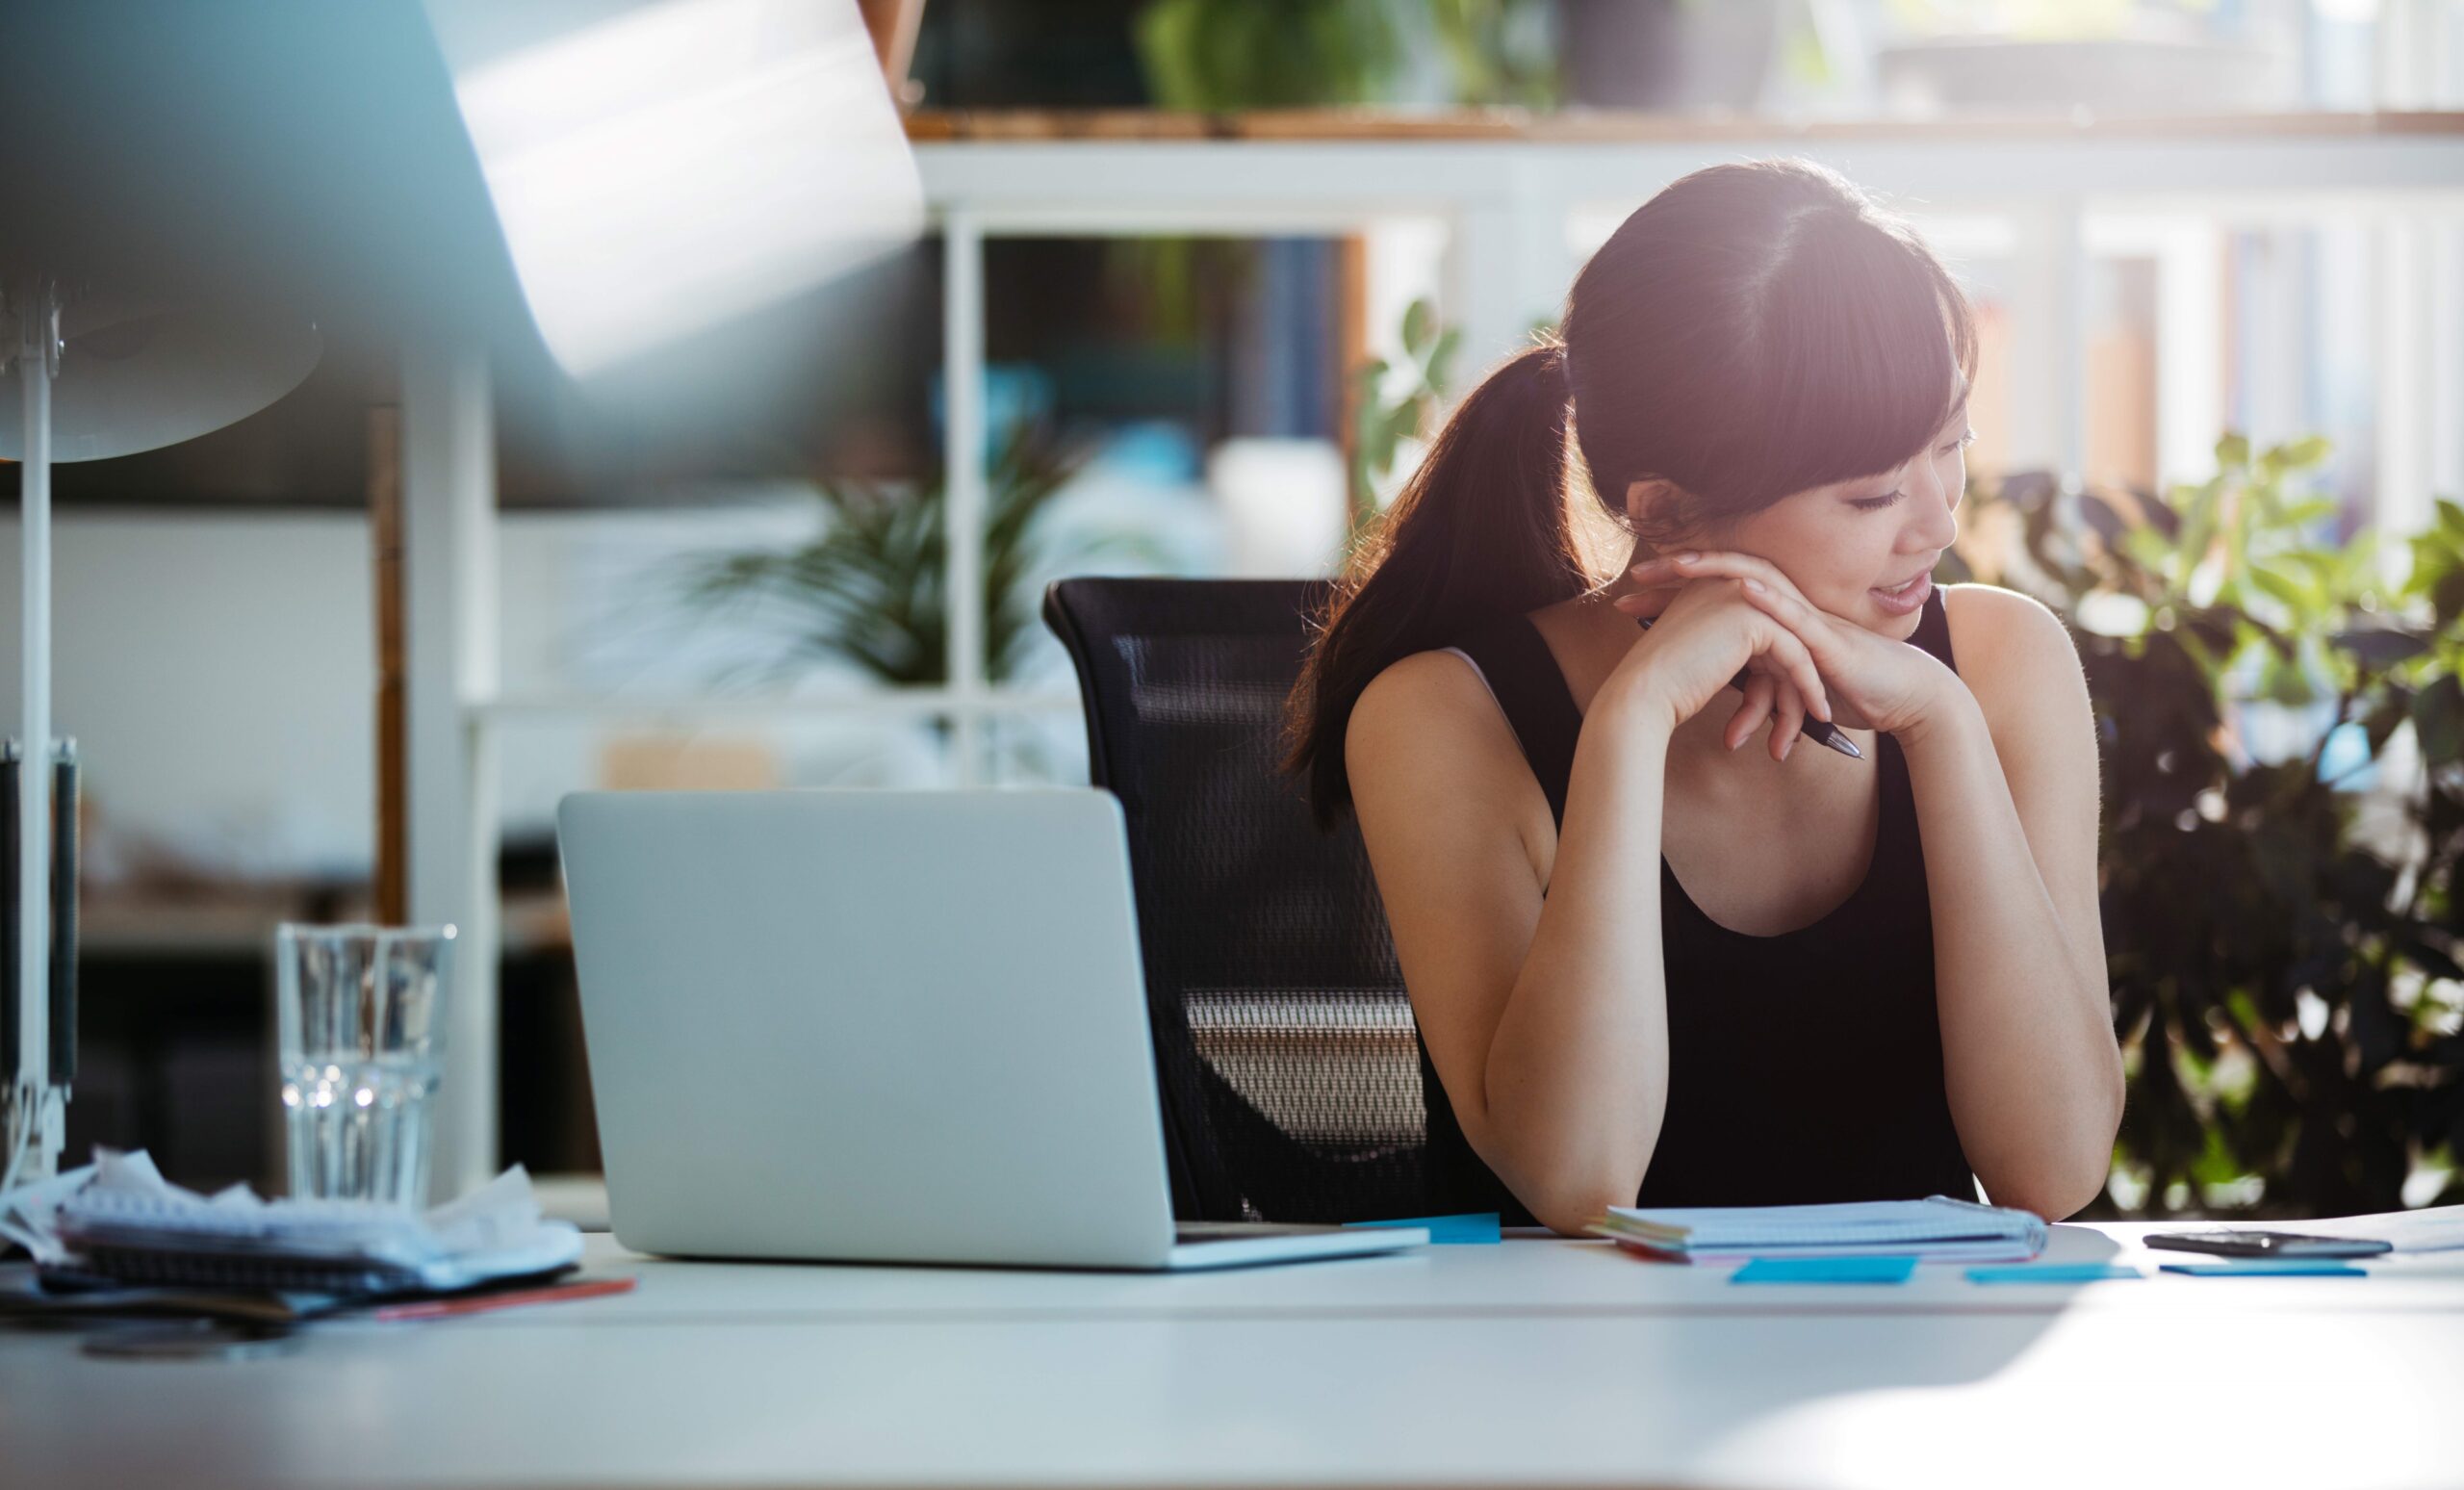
1289,1071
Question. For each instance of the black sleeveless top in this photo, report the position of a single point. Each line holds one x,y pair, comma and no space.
1803,1067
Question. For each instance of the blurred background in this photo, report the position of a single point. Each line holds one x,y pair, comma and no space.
1202,274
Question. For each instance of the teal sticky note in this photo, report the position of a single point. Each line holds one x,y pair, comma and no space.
1470,1229
1826,1269
2053,1273
2267,1268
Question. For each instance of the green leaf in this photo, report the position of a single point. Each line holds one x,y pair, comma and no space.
1378,446
2391,711
1419,328
1169,49
1403,421
2291,594
2379,646
2446,596
2147,547
2301,514
2303,453
2283,682
2429,959
2438,721
2233,451
2198,532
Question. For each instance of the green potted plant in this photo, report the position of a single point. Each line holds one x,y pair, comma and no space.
867,588
1391,404
2283,948
1222,56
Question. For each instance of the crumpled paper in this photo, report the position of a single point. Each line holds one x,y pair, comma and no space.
120,1201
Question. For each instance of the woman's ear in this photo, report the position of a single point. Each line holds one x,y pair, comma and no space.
1650,503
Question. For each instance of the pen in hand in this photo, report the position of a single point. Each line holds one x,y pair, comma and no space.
1822,731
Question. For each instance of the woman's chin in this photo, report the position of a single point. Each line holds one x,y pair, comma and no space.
1896,627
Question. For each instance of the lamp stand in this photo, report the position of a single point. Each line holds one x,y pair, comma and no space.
36,1108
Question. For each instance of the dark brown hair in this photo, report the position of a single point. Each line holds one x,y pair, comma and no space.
1751,331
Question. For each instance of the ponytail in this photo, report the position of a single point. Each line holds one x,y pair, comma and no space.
1481,531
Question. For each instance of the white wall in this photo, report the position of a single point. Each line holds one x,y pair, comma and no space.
218,674
219,670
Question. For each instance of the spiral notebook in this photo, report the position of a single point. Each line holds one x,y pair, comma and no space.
1936,1228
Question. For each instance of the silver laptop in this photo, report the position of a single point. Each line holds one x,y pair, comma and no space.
881,1026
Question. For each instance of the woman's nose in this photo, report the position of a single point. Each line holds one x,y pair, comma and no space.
1937,525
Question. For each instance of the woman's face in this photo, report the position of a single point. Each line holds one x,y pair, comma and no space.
1845,544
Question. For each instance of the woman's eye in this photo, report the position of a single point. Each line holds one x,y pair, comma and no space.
1877,503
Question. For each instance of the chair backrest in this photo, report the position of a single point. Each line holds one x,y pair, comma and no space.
1289,1062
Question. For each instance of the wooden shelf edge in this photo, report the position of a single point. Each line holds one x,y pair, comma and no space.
1607,126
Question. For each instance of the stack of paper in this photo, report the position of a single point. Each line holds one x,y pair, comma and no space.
118,1219
1937,1228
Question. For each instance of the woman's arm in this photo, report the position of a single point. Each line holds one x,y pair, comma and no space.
2002,756
2005,774
1544,1016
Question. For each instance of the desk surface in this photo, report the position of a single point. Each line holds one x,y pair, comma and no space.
1544,1362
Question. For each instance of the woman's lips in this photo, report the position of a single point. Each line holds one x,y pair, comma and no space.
1907,601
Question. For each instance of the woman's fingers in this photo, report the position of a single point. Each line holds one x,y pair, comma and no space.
1797,664
1646,602
1787,723
1760,691
1792,611
1761,581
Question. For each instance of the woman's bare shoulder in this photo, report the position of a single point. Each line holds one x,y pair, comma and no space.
1439,689
1993,624
1436,770
2015,655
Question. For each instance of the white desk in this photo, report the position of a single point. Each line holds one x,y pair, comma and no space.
1531,1362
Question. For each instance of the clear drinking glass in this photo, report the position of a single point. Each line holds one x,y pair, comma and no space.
359,1016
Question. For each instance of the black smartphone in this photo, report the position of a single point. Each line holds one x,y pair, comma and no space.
2267,1244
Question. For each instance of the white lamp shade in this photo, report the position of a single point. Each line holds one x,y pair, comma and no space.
135,377
661,167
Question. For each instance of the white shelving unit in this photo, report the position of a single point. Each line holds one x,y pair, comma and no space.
1511,195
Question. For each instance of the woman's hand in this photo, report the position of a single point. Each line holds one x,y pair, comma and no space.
1876,682
1701,636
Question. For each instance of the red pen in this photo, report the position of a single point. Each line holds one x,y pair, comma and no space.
481,1303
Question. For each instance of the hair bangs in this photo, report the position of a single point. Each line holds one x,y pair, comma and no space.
1865,346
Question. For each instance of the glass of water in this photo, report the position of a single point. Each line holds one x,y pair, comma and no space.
359,1016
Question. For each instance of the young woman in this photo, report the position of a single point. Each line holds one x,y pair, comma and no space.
1649,966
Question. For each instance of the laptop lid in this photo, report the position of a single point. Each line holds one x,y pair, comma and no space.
868,1025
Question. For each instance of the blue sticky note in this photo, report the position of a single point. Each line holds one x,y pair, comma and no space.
2053,1273
2267,1268
1466,1230
1826,1269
